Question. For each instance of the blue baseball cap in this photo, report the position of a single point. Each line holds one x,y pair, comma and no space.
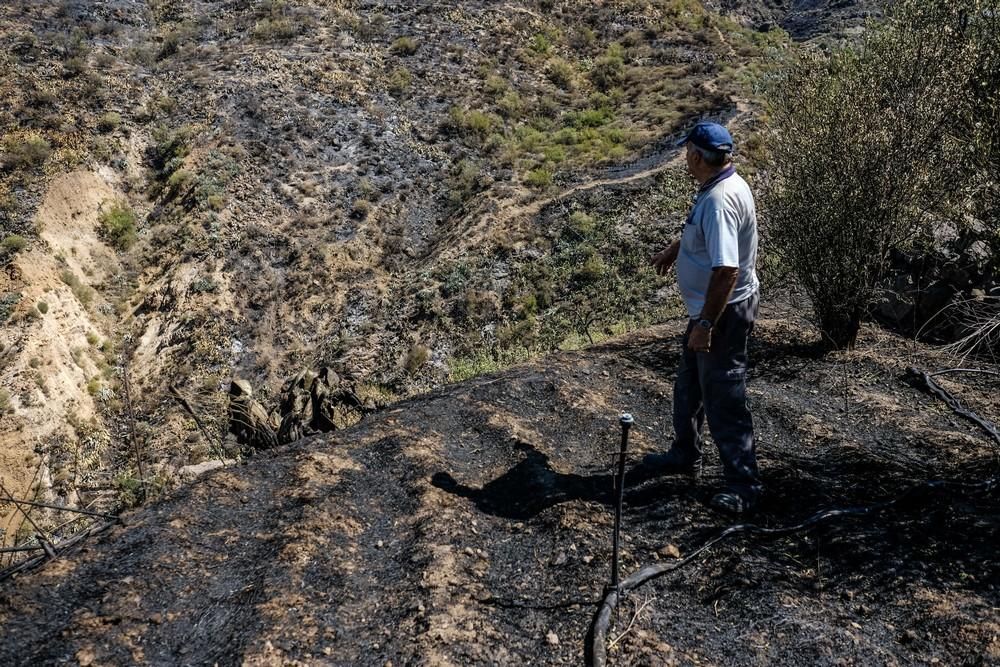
710,136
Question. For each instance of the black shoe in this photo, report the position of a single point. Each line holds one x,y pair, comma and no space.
730,502
672,462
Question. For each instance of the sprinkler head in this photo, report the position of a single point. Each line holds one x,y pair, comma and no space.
626,418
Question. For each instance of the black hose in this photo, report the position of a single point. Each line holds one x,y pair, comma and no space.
595,650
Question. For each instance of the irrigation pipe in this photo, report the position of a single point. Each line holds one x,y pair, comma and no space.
596,648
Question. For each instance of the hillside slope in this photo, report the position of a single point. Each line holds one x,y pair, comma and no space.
472,526
400,191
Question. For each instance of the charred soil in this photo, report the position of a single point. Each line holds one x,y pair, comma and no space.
471,525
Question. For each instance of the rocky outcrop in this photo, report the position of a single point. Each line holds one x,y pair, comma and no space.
938,293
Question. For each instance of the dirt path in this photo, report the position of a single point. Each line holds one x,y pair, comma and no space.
508,213
471,526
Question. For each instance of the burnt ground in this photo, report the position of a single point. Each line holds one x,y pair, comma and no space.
472,525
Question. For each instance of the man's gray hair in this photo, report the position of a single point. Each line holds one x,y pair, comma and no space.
713,158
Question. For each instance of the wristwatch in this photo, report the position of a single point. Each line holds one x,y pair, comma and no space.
706,324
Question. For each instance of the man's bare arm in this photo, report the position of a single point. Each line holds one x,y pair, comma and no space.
663,260
720,287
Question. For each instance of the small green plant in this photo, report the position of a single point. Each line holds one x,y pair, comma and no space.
5,405
581,224
118,225
170,148
25,153
464,181
473,124
540,43
404,46
539,178
179,180
129,489
609,70
399,81
42,307
109,122
11,245
360,209
271,29
560,73
416,358
83,293
74,67
495,85
510,105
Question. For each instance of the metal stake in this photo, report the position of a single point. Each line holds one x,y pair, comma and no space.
626,422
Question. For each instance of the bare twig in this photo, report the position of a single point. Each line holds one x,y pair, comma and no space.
614,642
39,533
63,509
12,550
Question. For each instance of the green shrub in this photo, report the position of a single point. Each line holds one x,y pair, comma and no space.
360,209
540,43
5,405
464,181
27,153
130,490
109,121
478,123
539,178
42,307
118,225
169,149
416,358
588,118
11,245
180,180
495,85
560,73
399,81
74,67
83,293
272,29
609,70
404,46
866,143
581,223
510,104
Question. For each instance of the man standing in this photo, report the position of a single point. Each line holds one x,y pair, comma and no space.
715,259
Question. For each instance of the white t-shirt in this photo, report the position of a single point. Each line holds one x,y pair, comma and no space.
720,231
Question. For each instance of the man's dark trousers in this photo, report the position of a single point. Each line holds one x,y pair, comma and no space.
713,385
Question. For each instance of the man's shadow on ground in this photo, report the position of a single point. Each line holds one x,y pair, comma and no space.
532,486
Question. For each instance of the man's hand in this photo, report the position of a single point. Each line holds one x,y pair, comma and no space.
663,260
700,339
